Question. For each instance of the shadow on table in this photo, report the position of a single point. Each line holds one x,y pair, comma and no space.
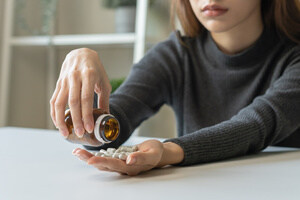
167,173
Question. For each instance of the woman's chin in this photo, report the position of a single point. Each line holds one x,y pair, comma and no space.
217,27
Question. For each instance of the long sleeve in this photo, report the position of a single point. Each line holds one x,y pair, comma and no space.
225,105
269,119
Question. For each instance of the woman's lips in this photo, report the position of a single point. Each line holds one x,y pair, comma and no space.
213,10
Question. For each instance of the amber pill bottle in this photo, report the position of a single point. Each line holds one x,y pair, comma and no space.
106,129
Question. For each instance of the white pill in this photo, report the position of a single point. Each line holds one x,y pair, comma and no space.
116,155
120,148
134,148
111,150
118,151
102,151
122,156
99,154
121,153
107,154
93,152
125,148
129,149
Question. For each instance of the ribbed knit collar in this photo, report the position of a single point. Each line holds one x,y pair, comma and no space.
247,57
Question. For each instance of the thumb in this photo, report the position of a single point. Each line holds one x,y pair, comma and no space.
143,158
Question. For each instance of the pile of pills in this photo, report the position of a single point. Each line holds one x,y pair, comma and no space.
120,153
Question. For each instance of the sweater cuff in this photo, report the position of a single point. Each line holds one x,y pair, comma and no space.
219,142
187,151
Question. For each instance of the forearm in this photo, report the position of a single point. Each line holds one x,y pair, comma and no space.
172,154
269,119
222,141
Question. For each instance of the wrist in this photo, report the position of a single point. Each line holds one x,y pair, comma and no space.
172,154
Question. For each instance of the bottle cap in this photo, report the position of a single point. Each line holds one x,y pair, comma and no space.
98,134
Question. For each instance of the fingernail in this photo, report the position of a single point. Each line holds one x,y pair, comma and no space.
89,127
74,151
79,132
65,133
130,160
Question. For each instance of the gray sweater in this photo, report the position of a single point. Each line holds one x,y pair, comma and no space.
225,105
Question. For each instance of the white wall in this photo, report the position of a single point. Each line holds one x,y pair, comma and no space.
28,101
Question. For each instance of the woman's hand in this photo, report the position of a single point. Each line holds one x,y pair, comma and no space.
150,154
81,74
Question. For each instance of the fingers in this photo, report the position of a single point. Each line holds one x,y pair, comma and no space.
74,102
112,165
82,154
52,103
60,105
81,74
117,165
87,98
87,157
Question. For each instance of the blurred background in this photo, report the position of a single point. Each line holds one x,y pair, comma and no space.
34,67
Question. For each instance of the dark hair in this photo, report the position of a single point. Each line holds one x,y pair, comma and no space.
281,15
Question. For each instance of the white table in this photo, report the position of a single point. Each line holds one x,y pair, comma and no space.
38,164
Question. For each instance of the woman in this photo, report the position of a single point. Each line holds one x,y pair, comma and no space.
233,82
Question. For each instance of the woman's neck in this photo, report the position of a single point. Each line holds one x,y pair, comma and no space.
239,37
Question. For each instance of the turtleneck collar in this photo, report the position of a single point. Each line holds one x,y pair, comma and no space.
254,53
